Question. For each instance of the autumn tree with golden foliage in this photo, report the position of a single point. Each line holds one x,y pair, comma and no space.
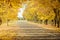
47,10
9,9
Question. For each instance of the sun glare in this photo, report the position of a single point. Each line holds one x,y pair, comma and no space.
21,10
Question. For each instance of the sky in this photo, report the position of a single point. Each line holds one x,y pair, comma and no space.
21,10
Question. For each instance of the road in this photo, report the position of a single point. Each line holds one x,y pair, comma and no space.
25,30
32,31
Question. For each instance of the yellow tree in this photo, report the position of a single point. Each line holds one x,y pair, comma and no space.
9,9
39,11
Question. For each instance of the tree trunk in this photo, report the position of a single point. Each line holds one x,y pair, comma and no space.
55,22
46,21
58,24
0,21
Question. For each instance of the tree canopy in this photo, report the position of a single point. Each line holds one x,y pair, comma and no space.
35,9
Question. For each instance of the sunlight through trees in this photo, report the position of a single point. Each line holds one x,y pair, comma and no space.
9,9
36,10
